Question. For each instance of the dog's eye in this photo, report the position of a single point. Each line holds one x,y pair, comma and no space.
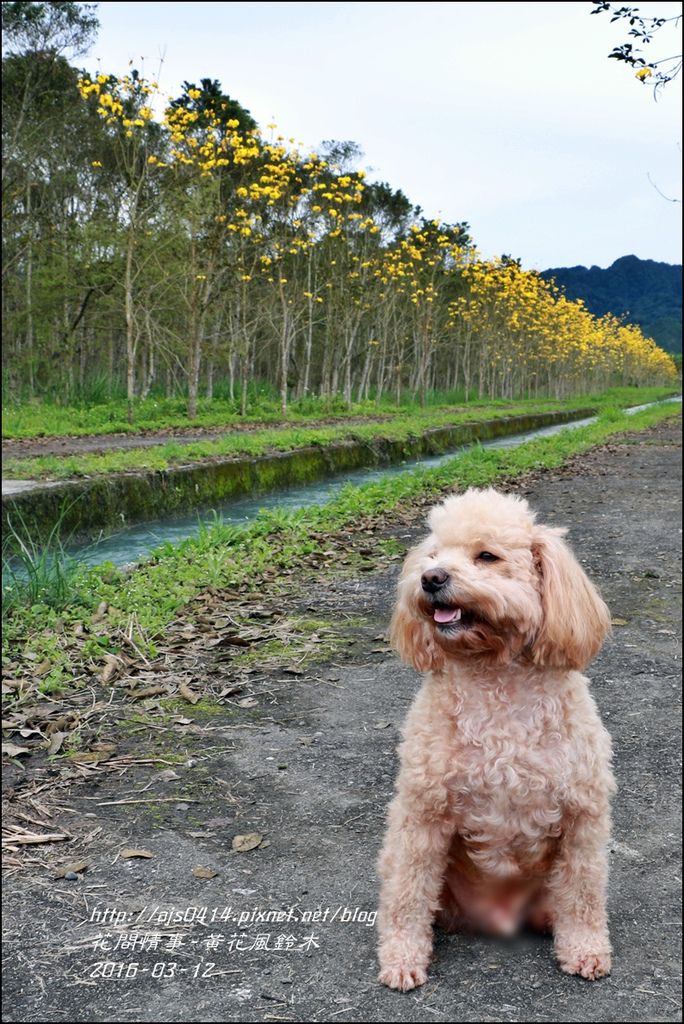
487,556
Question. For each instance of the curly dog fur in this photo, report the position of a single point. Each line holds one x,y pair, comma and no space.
502,811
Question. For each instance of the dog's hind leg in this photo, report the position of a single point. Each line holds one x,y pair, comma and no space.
449,916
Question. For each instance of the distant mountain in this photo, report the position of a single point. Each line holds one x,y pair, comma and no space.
644,291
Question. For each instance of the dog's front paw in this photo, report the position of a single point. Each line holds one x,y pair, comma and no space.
588,958
403,976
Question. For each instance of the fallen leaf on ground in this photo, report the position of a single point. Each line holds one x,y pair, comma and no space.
149,691
12,750
92,756
78,867
188,694
233,641
250,841
100,613
204,872
618,622
228,691
13,684
112,667
248,702
56,741
61,724
127,853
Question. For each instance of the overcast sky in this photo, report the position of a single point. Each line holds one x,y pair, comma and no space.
506,115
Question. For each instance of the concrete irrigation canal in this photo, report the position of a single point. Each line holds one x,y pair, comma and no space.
122,517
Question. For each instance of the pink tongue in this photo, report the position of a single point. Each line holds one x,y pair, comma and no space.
447,614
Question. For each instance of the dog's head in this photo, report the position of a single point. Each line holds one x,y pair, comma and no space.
490,583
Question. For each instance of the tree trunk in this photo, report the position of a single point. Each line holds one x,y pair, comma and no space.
307,353
130,325
285,343
29,291
284,363
194,364
243,390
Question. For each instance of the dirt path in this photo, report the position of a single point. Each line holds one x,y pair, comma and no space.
310,767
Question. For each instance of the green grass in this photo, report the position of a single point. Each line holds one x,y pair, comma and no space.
46,419
253,443
225,556
38,571
260,442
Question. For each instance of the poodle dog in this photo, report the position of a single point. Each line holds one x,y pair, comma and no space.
502,808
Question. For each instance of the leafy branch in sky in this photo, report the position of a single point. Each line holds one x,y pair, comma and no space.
643,31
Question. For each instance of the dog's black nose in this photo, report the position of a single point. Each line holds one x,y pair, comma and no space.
433,579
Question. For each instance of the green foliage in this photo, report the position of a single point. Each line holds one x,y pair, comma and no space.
49,27
211,99
47,419
610,414
38,572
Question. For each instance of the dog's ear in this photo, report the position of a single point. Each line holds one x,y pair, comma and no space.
410,635
575,618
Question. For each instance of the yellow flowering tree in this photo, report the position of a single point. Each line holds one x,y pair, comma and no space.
254,259
124,106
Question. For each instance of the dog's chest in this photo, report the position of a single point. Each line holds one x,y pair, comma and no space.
510,767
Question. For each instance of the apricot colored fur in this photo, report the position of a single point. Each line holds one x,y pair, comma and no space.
502,810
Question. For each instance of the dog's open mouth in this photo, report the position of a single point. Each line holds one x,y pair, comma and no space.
452,618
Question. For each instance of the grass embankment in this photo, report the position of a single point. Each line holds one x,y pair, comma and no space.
254,444
57,644
45,419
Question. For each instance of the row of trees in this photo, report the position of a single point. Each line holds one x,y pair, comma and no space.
174,244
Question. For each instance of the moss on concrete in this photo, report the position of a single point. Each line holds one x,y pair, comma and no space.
103,504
